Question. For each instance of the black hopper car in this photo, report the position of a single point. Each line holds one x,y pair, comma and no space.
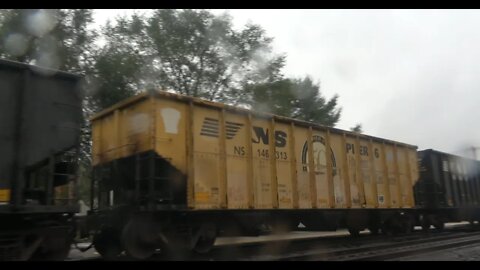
40,120
448,189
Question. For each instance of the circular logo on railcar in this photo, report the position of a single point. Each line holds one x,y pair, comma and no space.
319,155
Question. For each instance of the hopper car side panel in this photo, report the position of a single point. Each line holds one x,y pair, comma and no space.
279,163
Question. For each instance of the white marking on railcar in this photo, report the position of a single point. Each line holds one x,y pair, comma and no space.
171,118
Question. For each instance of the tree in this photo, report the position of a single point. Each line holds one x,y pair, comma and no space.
273,97
196,53
57,39
115,76
312,106
297,98
357,128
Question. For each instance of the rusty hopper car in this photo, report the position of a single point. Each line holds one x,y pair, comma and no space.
448,189
174,170
40,118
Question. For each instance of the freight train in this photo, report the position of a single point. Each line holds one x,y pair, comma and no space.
40,119
172,172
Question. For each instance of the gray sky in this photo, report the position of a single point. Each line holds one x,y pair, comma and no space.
406,75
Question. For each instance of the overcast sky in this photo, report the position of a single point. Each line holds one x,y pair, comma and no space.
406,75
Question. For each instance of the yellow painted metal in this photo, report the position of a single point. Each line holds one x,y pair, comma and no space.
189,153
409,179
311,171
352,170
250,181
359,176
293,167
223,161
392,175
273,164
364,153
337,147
207,158
397,176
284,172
373,178
379,173
237,159
388,201
116,126
134,126
414,172
239,168
262,164
302,168
4,195
331,195
346,174
153,116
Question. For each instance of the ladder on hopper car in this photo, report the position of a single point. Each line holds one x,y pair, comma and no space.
148,184
146,187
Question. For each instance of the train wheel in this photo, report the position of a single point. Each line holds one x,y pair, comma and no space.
206,237
471,222
439,223
374,229
284,226
176,246
354,232
60,251
387,230
135,241
322,222
408,224
107,243
54,249
374,224
425,222
392,225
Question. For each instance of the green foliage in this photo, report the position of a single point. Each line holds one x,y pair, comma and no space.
196,53
273,97
297,98
56,38
115,76
312,106
357,128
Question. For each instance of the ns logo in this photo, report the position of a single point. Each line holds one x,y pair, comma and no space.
319,155
261,135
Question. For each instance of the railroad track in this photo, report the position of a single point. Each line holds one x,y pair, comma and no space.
365,247
390,251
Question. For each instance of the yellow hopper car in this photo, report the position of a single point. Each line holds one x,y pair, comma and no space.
176,171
